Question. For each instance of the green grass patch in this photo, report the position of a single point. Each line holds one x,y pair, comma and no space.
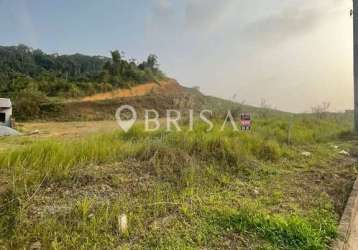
184,190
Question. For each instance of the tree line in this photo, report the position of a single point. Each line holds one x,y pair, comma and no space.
23,68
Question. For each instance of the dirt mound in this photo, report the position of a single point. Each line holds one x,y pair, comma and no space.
166,86
161,96
168,94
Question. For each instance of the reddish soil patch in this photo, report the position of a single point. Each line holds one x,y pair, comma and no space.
139,90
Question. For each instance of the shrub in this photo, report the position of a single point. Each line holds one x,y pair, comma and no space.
27,104
74,91
269,151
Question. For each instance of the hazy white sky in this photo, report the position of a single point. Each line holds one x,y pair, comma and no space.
293,53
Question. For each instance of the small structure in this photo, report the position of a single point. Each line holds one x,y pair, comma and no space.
5,112
245,121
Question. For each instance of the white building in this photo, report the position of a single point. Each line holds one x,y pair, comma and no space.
5,112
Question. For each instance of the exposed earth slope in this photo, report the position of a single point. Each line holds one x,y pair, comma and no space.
160,96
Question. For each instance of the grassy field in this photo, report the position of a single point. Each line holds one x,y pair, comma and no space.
178,190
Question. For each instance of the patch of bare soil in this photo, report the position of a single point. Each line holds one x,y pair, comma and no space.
304,189
139,90
3,186
172,96
104,184
66,129
337,181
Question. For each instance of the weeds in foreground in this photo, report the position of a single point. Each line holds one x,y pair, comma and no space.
196,189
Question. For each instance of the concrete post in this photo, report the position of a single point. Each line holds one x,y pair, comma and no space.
355,41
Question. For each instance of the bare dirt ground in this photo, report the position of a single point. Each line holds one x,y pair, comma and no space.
139,90
66,129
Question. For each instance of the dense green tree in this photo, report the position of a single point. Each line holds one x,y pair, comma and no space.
28,102
70,75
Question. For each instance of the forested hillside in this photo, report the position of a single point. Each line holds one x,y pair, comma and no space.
31,77
24,69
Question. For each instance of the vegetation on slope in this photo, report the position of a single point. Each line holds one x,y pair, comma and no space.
183,190
168,95
30,76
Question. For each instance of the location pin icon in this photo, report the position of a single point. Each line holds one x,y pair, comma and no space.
126,124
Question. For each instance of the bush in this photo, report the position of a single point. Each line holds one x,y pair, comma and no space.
74,91
27,104
269,151
104,87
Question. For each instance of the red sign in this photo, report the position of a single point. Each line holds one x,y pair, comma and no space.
245,121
